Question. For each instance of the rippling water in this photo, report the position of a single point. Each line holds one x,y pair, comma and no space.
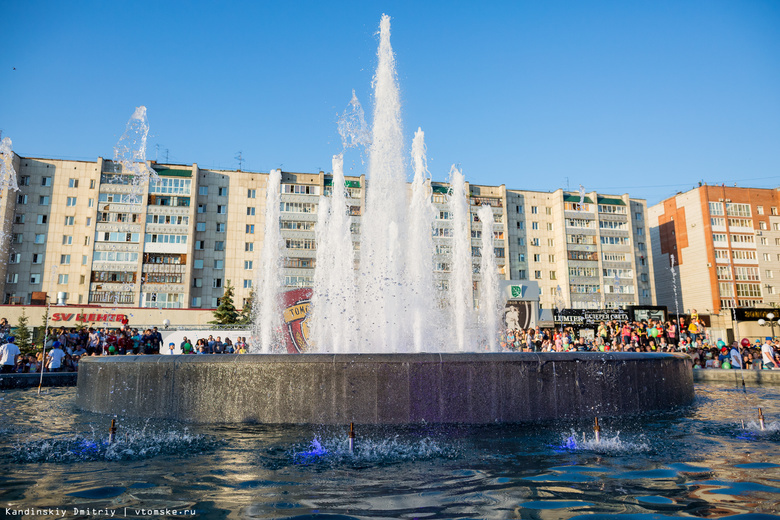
697,461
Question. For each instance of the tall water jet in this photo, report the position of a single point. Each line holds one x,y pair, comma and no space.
333,294
130,153
381,265
488,269
268,322
7,171
420,245
461,285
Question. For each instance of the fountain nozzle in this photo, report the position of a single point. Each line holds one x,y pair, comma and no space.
351,437
761,419
597,430
112,432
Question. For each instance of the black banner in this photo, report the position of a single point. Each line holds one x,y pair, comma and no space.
754,314
588,317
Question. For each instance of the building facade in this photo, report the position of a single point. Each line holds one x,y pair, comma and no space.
87,233
726,247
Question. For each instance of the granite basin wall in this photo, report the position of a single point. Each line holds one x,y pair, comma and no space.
383,388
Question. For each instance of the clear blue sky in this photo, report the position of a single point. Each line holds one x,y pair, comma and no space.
644,97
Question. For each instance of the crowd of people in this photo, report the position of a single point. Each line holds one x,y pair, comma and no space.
65,347
649,336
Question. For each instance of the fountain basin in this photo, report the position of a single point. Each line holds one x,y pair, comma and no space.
384,388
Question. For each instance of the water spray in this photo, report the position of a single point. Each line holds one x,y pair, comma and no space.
112,432
351,437
597,430
761,419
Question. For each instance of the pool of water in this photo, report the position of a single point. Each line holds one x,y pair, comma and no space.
696,461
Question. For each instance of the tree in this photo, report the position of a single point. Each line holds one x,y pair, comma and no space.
39,332
23,334
226,313
247,316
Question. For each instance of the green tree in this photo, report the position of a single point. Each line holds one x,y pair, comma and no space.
247,316
23,334
40,331
226,313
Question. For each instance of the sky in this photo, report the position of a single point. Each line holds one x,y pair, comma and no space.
643,97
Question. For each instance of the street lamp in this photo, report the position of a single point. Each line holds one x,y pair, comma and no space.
770,321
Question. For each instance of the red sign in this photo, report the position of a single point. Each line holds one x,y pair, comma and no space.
295,314
63,316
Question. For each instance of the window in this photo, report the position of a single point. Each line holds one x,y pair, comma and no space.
551,242
86,240
40,238
762,225
247,264
19,219
549,226
534,210
251,194
716,208
62,279
769,273
67,240
43,219
250,212
196,301
774,210
521,241
217,283
737,210
37,258
201,208
247,284
760,210
69,221
551,258
203,190
35,278
221,226
552,275
65,259
21,199
18,238
200,226
221,209
92,184
83,259
219,245
45,181
43,200
71,201
640,231
199,245
14,258
198,264
537,258
197,282
520,225
91,202
222,192
299,207
250,228
534,225
12,278
82,279
219,264
537,275
89,221
73,183
24,181
717,221
767,257
534,241
521,274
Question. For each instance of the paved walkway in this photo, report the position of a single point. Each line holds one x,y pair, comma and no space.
752,377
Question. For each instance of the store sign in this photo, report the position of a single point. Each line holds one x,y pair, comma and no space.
97,317
755,314
589,318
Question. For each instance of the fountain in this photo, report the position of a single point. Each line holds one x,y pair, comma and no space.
386,354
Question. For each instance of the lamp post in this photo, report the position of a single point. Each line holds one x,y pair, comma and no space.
770,320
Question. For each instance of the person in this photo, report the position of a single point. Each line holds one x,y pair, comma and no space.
55,357
171,348
186,346
736,356
9,355
768,355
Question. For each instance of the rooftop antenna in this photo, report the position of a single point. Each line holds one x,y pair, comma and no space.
240,159
156,151
166,156
567,184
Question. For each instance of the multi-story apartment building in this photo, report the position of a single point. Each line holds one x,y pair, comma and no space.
726,247
88,232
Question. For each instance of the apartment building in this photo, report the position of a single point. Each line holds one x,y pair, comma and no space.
726,247
87,233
